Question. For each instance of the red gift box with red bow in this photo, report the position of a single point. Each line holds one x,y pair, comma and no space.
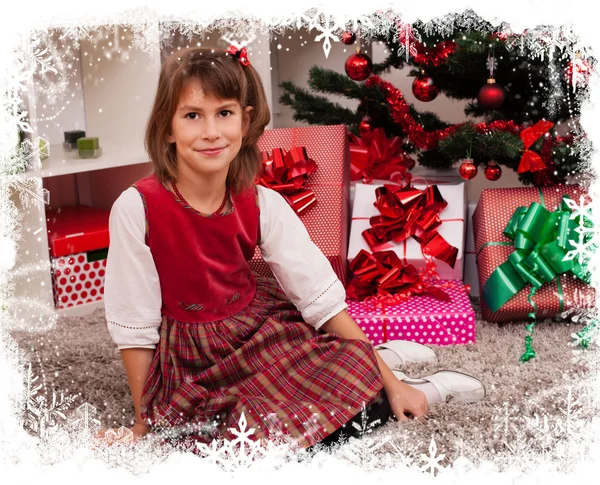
319,196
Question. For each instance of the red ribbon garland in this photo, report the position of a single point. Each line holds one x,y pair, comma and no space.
531,161
410,212
377,157
426,140
240,54
286,173
435,56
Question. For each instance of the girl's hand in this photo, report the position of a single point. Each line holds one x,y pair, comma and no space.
139,430
406,399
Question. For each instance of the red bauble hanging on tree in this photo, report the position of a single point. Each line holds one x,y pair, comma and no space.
492,172
358,66
365,125
424,88
468,169
491,96
348,37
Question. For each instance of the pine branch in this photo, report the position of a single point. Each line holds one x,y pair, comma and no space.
313,109
328,81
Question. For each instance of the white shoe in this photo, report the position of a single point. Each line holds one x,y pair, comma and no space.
451,385
405,351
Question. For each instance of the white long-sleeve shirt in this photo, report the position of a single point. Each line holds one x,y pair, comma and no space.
132,295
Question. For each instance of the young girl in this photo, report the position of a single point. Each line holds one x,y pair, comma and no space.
202,339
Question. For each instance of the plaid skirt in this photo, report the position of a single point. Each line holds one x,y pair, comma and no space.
265,362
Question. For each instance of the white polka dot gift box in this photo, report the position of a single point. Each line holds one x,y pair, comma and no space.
79,240
519,231
452,228
422,319
326,220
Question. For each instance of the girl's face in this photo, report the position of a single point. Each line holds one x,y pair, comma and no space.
207,131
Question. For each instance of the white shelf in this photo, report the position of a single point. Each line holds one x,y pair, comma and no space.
80,310
61,162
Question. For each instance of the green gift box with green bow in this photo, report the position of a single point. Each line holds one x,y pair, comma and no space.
533,246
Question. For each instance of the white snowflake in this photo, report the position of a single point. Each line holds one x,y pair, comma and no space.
432,461
365,427
40,415
586,243
492,64
83,419
541,426
506,422
123,435
328,26
406,37
238,41
242,451
73,34
554,90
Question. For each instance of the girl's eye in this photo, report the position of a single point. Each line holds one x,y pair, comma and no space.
191,114
225,113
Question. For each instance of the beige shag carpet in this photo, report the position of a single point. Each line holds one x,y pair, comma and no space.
528,408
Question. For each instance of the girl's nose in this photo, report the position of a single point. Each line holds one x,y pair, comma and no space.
210,129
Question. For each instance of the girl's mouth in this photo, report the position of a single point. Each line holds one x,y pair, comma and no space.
211,151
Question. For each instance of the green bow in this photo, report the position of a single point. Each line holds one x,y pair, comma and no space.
541,241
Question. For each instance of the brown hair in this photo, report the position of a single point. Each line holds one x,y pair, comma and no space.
224,77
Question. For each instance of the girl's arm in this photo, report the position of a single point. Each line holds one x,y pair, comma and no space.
137,364
403,398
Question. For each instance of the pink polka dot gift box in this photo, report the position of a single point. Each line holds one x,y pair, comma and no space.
422,319
326,220
78,237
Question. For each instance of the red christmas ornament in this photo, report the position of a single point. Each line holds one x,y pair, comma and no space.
468,169
348,37
491,95
365,125
493,172
582,70
424,88
358,66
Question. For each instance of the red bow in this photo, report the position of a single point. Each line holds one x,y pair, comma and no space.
240,54
531,161
407,211
376,157
383,277
287,173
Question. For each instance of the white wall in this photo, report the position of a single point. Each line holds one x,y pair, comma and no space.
55,115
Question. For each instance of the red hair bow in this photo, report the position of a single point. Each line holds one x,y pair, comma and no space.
240,54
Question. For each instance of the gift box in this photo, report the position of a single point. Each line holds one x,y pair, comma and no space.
88,147
419,174
471,277
327,219
78,237
452,228
422,319
71,137
516,211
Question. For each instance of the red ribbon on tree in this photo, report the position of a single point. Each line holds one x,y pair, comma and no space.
410,212
377,157
286,173
531,161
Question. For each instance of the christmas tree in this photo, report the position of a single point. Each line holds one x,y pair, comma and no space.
526,99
